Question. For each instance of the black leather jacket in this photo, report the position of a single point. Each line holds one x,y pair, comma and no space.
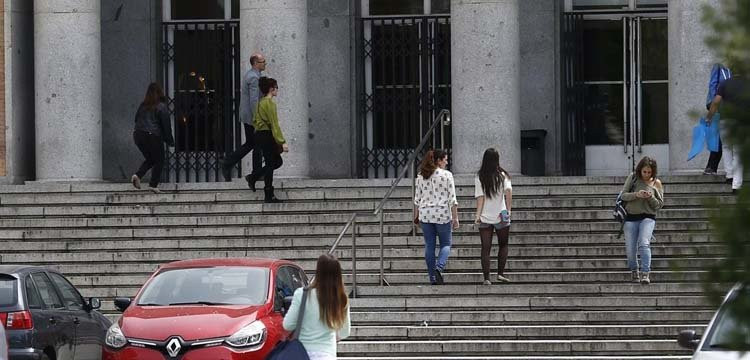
155,122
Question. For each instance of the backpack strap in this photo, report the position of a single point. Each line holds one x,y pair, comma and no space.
301,314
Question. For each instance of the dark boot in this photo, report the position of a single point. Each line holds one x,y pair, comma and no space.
270,197
251,179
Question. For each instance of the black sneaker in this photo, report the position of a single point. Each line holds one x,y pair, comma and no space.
250,181
729,181
439,277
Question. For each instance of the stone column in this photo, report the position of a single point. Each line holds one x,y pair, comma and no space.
278,29
690,62
67,80
485,61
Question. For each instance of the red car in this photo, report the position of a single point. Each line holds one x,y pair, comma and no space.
206,309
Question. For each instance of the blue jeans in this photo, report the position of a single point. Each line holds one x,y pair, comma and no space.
638,239
431,231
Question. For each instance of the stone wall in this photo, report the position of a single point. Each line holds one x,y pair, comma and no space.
538,34
329,88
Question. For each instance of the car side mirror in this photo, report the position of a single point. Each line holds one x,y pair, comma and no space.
122,303
93,304
689,339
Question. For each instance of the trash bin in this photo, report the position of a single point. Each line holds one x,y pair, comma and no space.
532,152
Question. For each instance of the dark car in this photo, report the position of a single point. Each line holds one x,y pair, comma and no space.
45,317
206,309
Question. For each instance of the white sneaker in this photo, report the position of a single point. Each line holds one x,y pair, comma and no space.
155,190
501,278
645,278
136,181
487,282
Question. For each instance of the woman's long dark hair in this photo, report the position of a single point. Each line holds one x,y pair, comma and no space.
154,95
429,163
332,299
491,174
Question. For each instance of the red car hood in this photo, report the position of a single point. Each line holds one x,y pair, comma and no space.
188,322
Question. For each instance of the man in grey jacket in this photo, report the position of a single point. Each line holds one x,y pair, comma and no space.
249,97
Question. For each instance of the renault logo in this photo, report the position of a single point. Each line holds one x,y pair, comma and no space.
174,347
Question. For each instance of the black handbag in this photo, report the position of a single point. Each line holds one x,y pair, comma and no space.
292,348
619,212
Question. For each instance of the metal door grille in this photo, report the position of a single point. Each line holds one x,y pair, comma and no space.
201,80
405,73
573,122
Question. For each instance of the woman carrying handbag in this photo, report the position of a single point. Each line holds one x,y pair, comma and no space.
325,316
494,193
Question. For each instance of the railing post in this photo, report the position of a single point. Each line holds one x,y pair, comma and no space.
382,253
413,189
354,256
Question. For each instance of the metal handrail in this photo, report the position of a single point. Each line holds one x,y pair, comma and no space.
443,115
353,224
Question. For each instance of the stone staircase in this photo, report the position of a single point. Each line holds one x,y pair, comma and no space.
570,298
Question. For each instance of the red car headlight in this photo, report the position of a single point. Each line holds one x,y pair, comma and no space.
250,335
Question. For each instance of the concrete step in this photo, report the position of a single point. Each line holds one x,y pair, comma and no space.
204,230
417,253
538,303
364,264
509,289
516,241
102,278
519,217
132,196
512,347
526,317
540,332
520,357
520,204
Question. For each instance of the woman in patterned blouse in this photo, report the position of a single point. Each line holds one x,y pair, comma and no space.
436,208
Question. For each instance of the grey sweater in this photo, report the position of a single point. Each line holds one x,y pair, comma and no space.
637,206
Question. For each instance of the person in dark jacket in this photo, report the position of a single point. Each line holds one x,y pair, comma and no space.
719,74
152,127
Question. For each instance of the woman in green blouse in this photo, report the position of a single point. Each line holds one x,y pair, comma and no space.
269,139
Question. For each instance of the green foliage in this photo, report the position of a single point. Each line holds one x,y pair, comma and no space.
730,41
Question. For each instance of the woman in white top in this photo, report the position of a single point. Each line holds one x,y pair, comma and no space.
326,318
436,208
493,192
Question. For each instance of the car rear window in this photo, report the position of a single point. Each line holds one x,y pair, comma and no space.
224,285
8,291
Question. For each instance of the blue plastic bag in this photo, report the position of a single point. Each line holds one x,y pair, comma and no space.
699,139
705,136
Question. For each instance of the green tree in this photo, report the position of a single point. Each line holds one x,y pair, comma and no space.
730,41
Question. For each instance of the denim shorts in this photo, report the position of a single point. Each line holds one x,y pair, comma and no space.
497,226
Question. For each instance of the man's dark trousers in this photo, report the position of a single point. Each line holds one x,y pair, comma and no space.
243,150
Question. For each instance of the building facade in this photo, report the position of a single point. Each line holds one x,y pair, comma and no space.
560,87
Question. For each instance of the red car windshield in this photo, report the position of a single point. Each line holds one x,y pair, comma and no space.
224,285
